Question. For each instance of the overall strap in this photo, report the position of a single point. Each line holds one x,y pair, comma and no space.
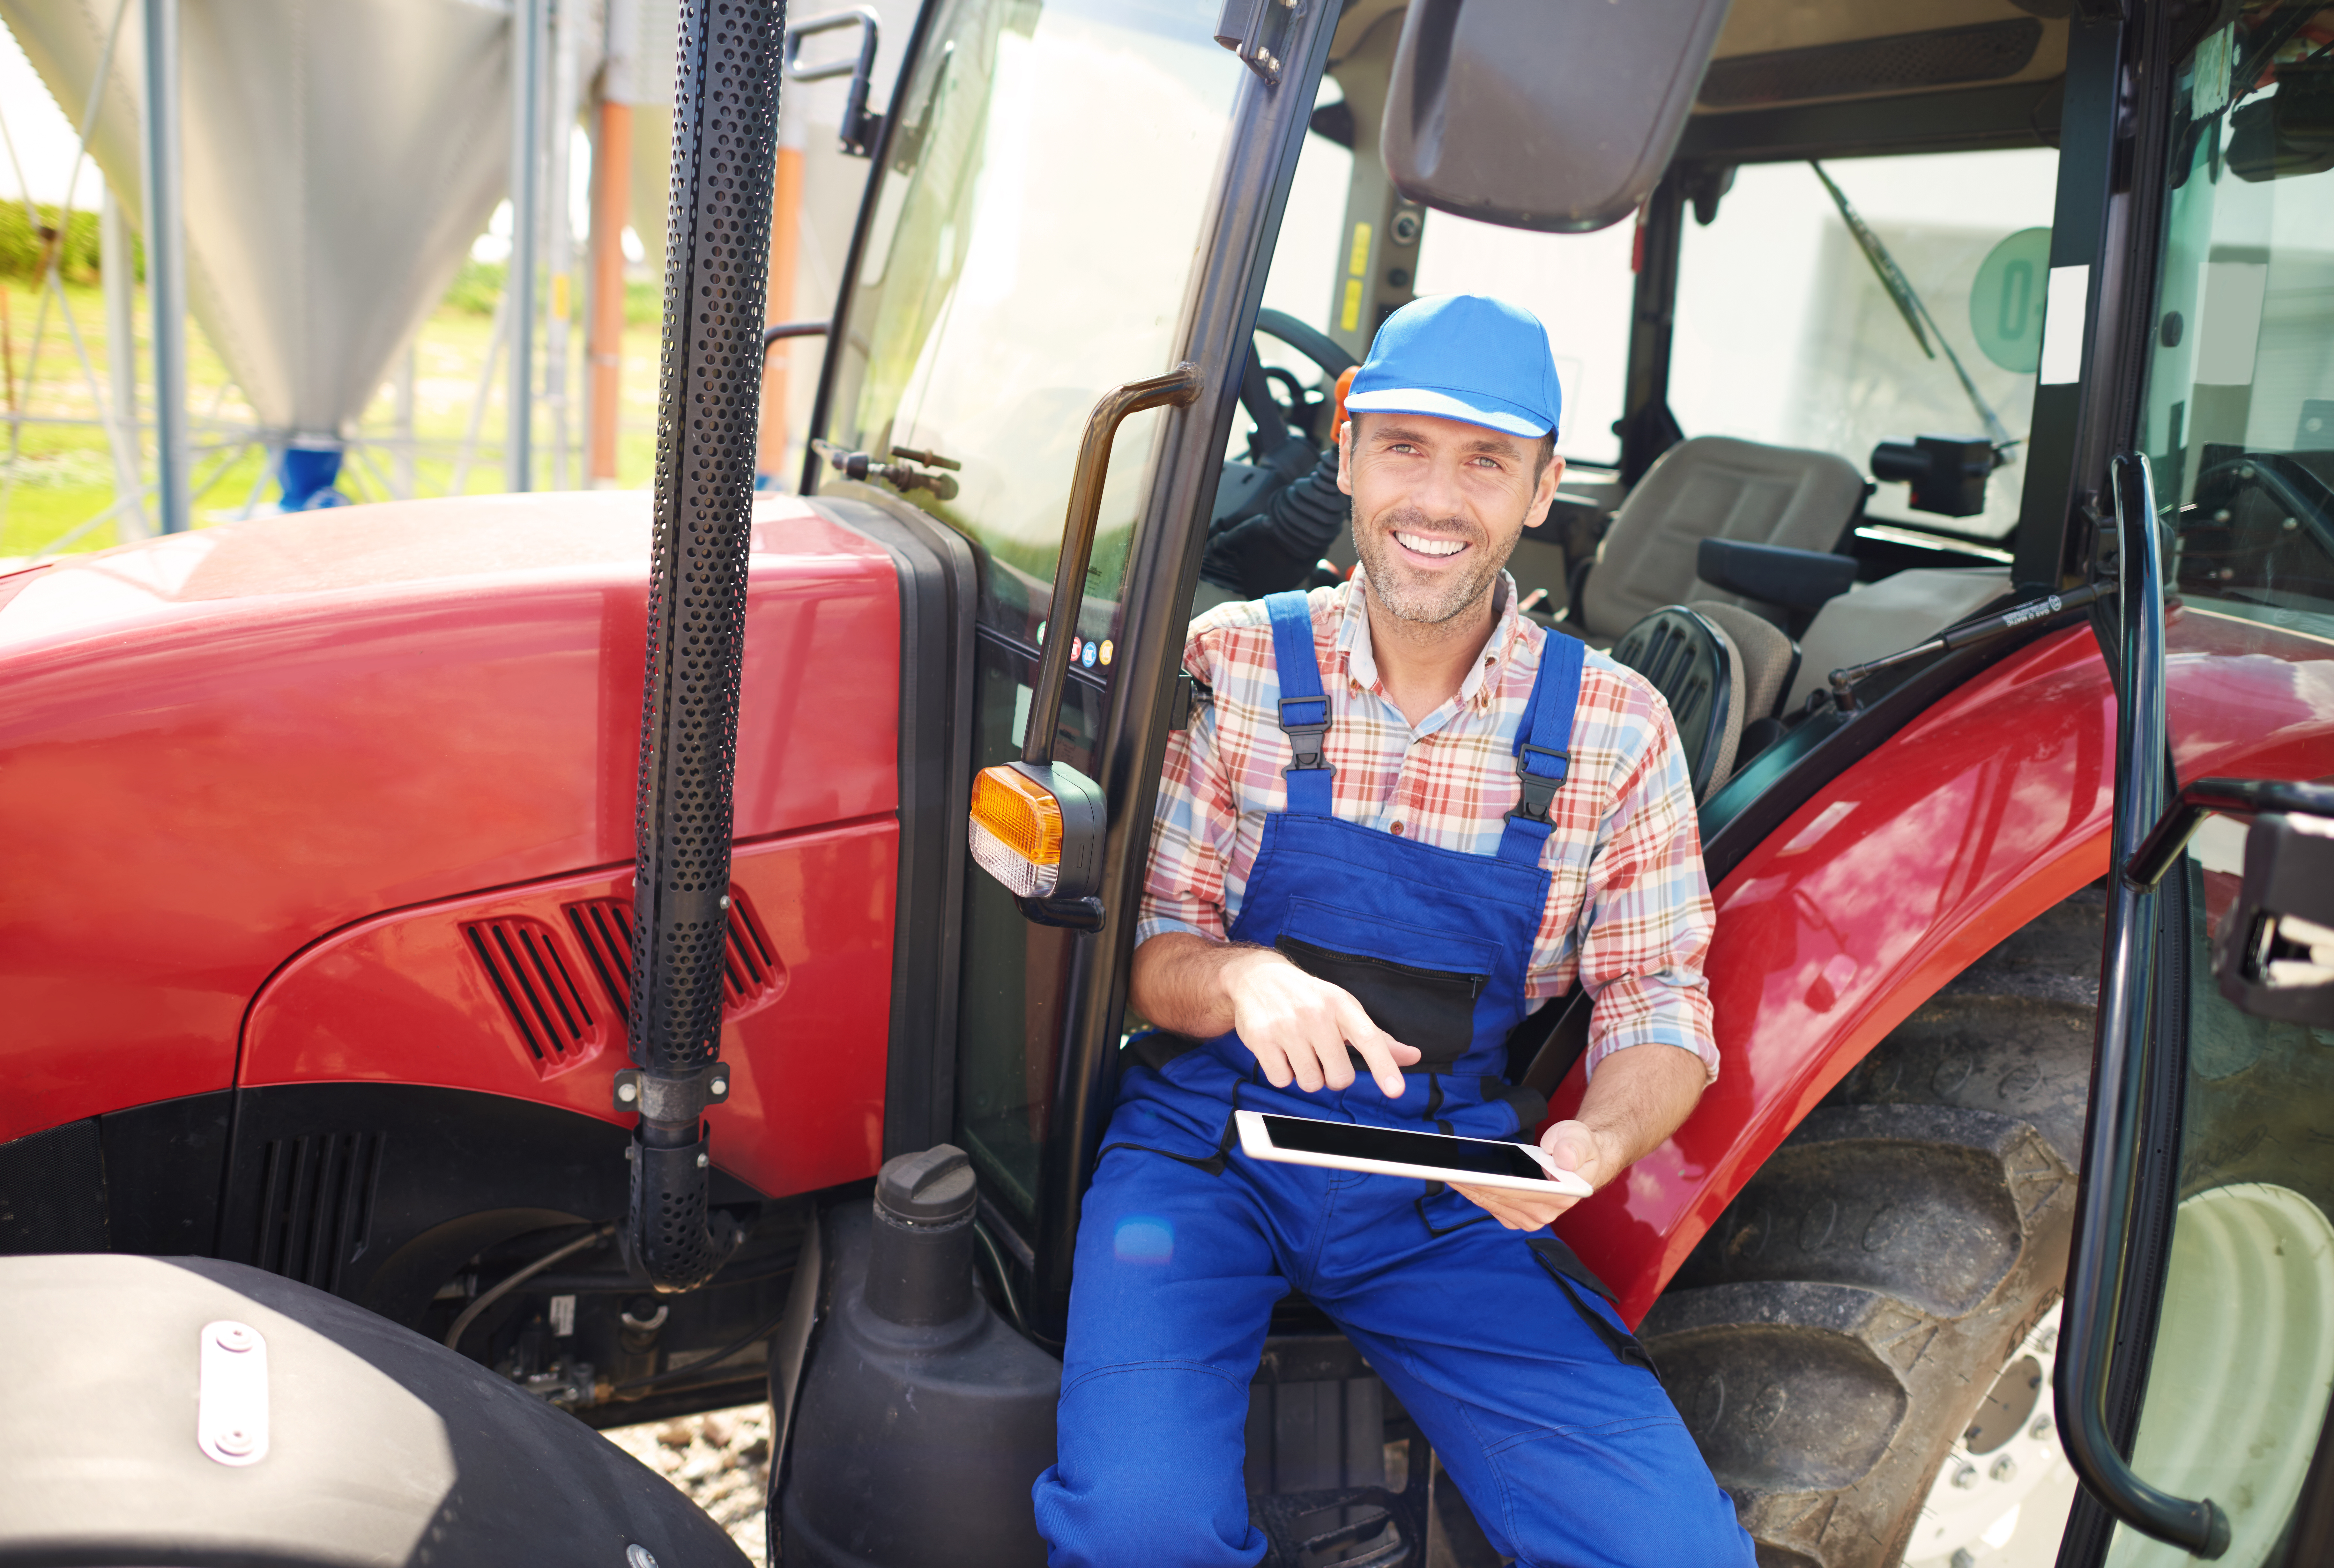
1543,747
1304,708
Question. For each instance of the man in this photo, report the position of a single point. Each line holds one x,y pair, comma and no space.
1351,803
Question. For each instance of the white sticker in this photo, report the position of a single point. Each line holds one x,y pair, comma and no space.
2228,329
2062,325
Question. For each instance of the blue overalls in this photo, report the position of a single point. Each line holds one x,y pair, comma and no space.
1498,1343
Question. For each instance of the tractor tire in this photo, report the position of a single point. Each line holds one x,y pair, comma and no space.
1841,1324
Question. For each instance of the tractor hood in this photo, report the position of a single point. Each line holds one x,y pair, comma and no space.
220,748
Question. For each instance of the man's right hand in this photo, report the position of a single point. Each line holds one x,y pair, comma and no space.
1297,1028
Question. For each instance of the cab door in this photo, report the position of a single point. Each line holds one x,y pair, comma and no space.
2230,1261
1072,196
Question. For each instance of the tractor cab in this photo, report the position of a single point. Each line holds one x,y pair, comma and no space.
1841,380
587,958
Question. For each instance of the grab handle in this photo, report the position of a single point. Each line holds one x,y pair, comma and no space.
1178,388
2097,1277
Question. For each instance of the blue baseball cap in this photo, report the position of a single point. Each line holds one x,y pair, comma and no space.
1467,357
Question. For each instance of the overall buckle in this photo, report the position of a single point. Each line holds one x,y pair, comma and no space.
1539,788
1305,735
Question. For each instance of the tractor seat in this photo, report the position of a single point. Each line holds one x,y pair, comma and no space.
1721,670
1710,487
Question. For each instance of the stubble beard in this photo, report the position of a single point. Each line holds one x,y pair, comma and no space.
1401,595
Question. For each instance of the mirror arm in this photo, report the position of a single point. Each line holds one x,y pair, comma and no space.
1179,388
2160,851
2096,1277
859,129
773,336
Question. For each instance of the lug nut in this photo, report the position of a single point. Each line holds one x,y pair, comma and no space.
2041,1429
2003,1468
639,1556
1965,1478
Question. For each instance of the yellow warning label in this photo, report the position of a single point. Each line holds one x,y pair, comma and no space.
1350,316
559,296
1360,264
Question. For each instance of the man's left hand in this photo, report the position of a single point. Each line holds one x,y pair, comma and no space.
1576,1149
1638,1097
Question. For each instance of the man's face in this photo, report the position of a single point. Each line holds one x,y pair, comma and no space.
1438,507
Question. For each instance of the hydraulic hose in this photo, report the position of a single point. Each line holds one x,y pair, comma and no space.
717,243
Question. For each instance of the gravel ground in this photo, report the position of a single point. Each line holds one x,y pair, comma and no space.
721,1458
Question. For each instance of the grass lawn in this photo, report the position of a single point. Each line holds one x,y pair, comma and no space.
62,475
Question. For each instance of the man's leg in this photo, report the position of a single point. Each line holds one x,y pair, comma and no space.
1570,1456
1174,1285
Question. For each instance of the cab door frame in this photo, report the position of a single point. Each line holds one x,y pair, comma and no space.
1267,124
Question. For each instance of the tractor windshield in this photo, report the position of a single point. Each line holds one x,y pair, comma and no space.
982,327
1787,335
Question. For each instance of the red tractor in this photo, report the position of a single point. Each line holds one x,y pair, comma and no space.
464,962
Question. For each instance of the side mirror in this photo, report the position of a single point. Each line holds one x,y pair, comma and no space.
1543,114
1947,472
859,128
2275,953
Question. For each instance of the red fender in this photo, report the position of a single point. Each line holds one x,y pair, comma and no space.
1917,861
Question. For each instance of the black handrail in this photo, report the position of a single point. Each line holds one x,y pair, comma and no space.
2095,1282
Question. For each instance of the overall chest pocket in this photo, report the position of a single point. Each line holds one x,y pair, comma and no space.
1419,986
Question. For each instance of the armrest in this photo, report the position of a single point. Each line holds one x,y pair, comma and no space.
1793,579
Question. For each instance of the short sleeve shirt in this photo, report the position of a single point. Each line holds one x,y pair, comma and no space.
1628,914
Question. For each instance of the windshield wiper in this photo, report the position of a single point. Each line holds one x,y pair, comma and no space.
1908,305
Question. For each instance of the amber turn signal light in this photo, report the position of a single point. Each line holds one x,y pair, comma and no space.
1037,828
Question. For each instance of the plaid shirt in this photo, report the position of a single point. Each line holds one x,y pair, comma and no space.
1628,908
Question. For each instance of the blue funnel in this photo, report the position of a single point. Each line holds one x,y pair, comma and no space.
307,473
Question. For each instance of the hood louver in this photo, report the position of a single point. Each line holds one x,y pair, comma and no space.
752,973
525,962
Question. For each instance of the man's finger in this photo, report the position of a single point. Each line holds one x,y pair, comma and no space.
1304,1061
1336,1067
1275,1064
1386,1054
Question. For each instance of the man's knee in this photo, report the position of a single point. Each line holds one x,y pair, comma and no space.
1150,1471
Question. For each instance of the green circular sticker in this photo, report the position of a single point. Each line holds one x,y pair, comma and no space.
2006,300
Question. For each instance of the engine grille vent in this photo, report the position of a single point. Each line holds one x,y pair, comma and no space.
315,1204
1983,52
523,960
751,972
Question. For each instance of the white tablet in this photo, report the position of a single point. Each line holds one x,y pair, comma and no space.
1390,1152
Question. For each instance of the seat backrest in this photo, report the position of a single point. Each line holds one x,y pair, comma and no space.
1888,616
1692,663
1712,487
1768,658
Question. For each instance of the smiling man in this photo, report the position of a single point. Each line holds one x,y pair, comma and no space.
1407,818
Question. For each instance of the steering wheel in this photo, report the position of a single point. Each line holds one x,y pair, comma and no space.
1276,397
1291,422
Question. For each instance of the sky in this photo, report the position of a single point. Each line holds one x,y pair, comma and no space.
39,131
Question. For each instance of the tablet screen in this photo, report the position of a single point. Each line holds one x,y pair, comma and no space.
1397,1147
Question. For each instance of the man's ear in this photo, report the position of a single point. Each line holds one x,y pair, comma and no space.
1346,458
1544,493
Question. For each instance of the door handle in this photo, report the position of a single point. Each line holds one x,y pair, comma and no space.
1037,825
1178,388
2097,1271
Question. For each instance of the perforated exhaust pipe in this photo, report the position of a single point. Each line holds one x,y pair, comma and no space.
717,249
